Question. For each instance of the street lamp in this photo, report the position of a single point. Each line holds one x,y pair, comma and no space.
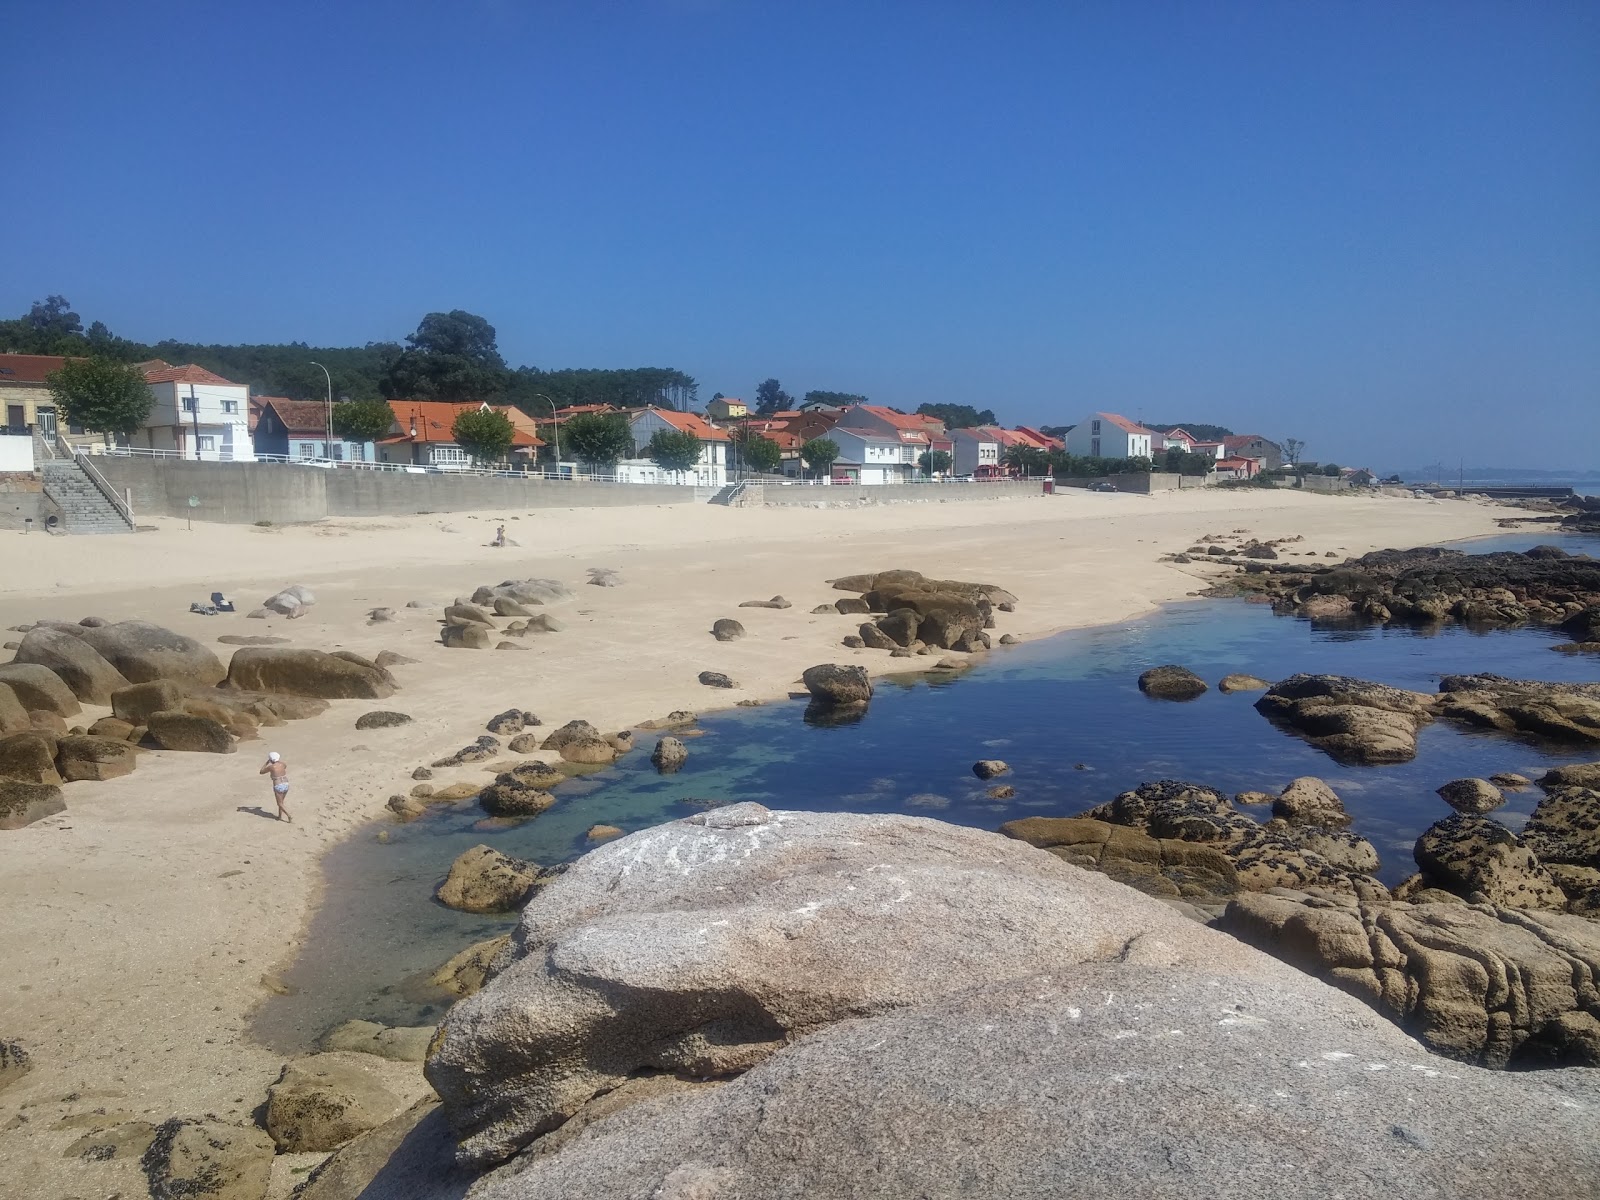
554,425
328,446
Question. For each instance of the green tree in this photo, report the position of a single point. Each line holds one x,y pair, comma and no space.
836,399
99,394
771,398
1030,460
958,416
362,420
934,462
599,439
762,454
483,433
1182,462
819,454
1332,470
1293,448
452,356
672,450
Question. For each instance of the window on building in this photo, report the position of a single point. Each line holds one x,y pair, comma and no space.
230,406
188,404
1095,429
1094,446
307,449
207,442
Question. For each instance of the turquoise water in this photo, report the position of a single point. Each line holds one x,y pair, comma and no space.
1064,712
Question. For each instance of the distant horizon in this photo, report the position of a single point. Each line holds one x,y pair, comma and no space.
1289,220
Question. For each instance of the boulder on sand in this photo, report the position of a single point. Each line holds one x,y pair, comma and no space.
38,687
135,704
314,673
382,719
483,880
24,803
83,756
187,732
290,602
322,1101
524,591
1171,683
726,629
467,636
79,665
142,652
580,742
29,757
838,686
716,679
205,1157
13,716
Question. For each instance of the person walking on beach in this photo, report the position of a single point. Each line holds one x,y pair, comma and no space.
274,768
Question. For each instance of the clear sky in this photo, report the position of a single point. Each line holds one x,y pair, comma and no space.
1375,226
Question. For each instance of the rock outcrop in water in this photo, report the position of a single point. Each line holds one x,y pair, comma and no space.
1353,720
789,954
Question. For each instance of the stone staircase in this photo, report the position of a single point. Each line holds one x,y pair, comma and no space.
84,507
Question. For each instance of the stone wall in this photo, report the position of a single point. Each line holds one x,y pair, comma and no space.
841,494
22,499
248,493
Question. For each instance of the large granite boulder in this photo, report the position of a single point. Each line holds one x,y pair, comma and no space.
398,1043
313,673
83,756
1472,795
24,803
467,972
135,704
483,880
580,742
142,652
193,1157
1353,720
1563,712
706,945
1501,987
1167,868
322,1101
508,796
1565,827
669,755
185,731
39,689
1572,775
1106,1080
524,591
78,665
1475,857
29,757
466,635
409,1157
1310,801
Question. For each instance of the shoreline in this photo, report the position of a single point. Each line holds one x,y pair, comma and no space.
633,659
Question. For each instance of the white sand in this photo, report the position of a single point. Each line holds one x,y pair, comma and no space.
141,923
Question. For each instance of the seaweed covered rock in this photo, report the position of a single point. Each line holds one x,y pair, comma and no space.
1476,857
1354,720
1171,683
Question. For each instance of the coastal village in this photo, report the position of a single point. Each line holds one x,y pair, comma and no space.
197,415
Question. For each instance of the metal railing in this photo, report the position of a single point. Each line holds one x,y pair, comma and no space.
79,455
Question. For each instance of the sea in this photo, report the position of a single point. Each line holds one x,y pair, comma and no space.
1064,712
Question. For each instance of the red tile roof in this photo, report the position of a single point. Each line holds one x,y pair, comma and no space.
906,421
298,416
1242,439
28,368
688,423
186,374
434,420
1123,423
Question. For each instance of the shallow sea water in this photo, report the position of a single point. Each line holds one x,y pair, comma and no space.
1065,712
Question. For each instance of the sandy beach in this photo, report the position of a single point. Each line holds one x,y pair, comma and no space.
146,922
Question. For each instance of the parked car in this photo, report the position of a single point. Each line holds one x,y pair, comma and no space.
1100,485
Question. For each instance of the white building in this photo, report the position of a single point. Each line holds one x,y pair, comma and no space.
197,415
710,471
976,453
1107,435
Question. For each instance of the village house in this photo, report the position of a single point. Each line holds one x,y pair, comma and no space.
1253,445
1043,440
710,471
197,414
297,430
727,408
1108,435
1235,467
976,453
27,403
423,434
878,445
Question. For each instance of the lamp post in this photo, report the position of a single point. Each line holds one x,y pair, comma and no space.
328,446
555,425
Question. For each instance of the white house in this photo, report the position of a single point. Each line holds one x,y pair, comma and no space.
976,453
879,445
712,469
1107,435
197,415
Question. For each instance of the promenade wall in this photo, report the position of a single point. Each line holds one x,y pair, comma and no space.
247,493
844,494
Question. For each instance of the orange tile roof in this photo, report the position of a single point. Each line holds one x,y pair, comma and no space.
1123,423
28,368
914,424
298,416
688,423
435,419
188,373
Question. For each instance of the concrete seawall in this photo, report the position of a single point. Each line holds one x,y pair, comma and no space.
835,495
245,493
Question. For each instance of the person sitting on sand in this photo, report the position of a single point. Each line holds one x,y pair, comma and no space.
499,537
275,768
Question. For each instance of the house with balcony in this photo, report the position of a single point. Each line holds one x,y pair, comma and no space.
710,471
297,430
1109,435
423,434
196,414
885,445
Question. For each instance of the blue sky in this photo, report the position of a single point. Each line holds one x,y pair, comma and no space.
1375,226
